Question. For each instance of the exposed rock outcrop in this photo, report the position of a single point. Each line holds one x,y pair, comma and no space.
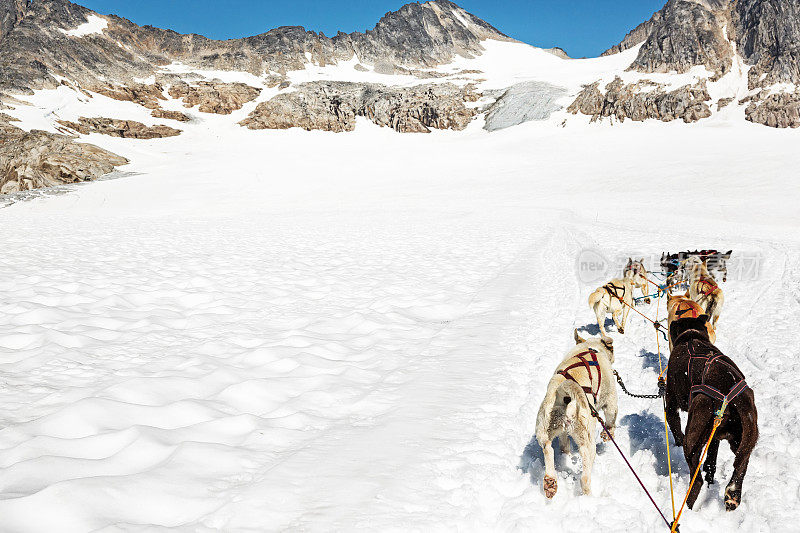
148,96
215,97
523,102
629,101
776,111
129,129
40,159
334,106
172,115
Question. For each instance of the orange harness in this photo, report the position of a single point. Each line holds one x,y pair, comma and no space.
686,307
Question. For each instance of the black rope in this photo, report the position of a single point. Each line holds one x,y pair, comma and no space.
661,389
595,414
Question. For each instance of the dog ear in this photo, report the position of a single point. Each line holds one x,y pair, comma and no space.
578,338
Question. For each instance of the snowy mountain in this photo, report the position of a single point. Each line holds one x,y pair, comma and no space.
424,67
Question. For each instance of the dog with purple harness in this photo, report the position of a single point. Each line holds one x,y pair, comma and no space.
704,382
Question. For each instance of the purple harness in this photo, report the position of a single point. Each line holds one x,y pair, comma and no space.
708,359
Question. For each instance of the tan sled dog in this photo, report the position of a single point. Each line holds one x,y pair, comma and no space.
703,289
680,306
583,377
606,300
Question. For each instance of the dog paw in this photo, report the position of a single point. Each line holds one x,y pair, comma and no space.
607,436
550,486
647,300
732,500
621,331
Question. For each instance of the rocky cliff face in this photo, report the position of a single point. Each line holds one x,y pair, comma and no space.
686,33
768,35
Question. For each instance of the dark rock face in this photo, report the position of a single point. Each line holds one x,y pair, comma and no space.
687,34
416,36
622,102
30,160
36,46
128,129
11,12
768,34
334,106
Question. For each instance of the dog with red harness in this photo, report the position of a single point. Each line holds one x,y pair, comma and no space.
681,306
582,379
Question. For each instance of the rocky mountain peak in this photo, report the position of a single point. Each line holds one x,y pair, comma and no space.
686,33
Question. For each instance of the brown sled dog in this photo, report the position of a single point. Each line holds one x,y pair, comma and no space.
680,306
699,376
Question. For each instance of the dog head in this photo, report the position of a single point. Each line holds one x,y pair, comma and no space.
604,345
681,326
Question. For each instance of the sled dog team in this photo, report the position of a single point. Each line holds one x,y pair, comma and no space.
699,378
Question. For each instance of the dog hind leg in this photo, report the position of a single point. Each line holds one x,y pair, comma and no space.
587,450
550,483
710,465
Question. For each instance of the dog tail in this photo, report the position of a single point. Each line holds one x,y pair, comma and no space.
595,298
563,395
577,397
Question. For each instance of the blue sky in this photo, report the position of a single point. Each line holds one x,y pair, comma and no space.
581,27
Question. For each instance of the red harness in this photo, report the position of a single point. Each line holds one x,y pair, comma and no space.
711,286
584,363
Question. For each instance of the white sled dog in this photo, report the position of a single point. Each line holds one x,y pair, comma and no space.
584,376
636,270
703,288
606,300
